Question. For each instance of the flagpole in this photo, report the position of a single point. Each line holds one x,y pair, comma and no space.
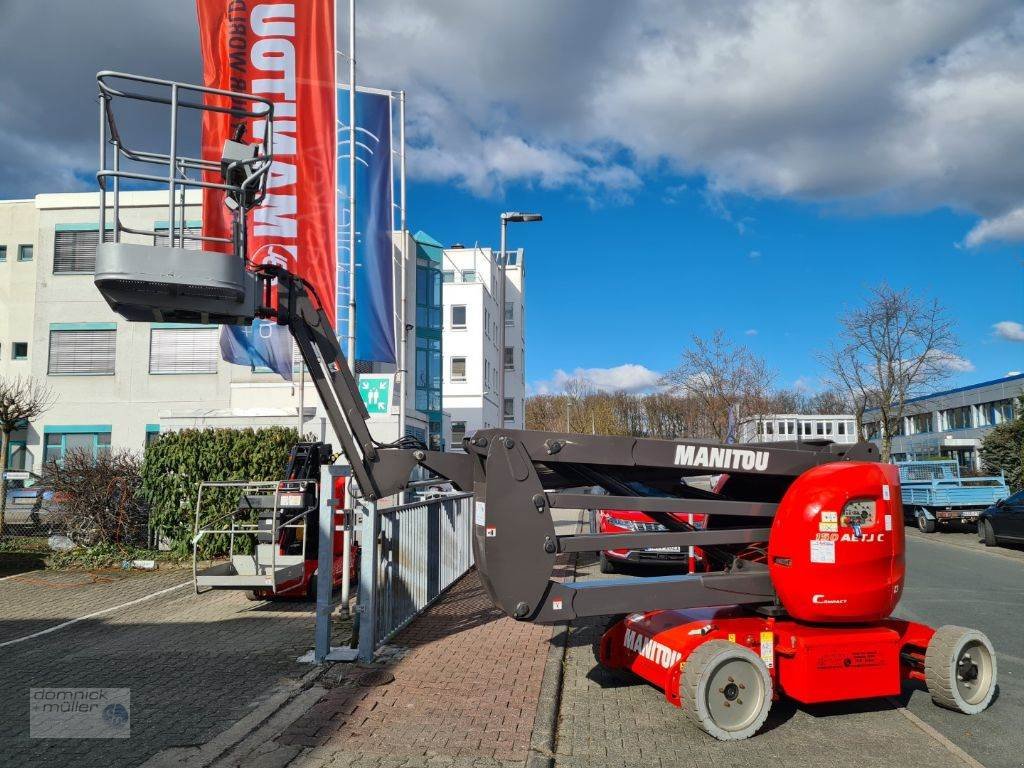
403,354
352,184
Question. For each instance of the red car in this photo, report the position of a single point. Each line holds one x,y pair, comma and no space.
614,521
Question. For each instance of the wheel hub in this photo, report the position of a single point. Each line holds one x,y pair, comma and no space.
735,695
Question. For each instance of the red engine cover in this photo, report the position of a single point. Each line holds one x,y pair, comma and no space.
836,548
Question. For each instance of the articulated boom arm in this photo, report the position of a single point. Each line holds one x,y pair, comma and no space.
519,476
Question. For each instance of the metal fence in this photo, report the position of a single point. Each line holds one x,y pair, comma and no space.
421,549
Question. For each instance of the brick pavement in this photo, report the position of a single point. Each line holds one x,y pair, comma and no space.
610,721
465,692
195,665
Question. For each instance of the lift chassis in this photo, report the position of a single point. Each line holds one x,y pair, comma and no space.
803,542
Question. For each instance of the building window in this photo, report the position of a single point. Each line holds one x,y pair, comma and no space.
510,358
458,316
511,257
469,276
25,253
509,411
184,350
487,322
428,374
19,350
769,427
59,441
957,418
81,351
3,253
458,369
920,423
841,428
458,432
510,313
998,412
448,276
487,373
428,298
152,433
74,251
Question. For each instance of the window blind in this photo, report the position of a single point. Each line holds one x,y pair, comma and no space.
184,350
81,352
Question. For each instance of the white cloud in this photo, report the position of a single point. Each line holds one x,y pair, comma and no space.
906,105
630,377
1009,226
1009,330
750,332
954,363
754,255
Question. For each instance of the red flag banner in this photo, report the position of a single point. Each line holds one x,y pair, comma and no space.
283,52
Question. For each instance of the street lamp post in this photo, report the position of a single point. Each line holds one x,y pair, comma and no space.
506,217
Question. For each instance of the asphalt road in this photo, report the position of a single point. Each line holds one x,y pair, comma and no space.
951,579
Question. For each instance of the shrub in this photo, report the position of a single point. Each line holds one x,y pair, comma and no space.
96,497
177,462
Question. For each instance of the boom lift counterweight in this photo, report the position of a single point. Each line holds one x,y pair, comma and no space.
804,541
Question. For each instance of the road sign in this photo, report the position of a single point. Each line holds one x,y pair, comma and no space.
375,389
12,474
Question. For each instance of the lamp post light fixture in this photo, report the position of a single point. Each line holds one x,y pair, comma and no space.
506,218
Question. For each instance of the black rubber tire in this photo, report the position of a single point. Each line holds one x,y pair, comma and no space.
941,665
606,564
250,595
925,524
987,533
697,675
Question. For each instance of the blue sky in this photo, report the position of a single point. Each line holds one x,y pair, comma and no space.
628,282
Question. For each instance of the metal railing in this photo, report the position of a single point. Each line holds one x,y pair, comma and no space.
421,549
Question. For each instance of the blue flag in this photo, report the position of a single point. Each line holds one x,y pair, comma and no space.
264,344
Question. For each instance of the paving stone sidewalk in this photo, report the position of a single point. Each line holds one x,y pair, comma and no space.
461,689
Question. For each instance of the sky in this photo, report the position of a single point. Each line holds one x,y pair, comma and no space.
752,166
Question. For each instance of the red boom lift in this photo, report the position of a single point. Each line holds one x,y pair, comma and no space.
807,615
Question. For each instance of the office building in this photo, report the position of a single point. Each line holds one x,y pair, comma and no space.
472,358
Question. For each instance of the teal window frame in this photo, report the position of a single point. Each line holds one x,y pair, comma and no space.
24,248
58,451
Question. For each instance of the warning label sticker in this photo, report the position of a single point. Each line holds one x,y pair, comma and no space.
885,493
480,513
768,649
830,517
888,522
828,527
823,551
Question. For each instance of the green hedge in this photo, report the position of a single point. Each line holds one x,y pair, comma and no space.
176,462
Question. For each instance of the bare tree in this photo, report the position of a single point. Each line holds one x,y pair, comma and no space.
721,377
893,348
22,399
831,400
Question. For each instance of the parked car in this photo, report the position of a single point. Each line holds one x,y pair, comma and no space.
613,521
28,501
1003,521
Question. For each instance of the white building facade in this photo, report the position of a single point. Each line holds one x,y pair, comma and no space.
116,383
950,424
473,359
790,427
